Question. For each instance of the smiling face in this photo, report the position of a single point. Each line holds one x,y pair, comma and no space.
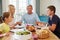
11,9
29,9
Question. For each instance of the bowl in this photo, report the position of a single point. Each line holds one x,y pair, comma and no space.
20,35
42,34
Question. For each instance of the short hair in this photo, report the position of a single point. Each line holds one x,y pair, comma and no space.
30,6
5,15
52,8
11,5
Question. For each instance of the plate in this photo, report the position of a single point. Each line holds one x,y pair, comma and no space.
19,27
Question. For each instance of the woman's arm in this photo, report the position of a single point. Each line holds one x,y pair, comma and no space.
17,23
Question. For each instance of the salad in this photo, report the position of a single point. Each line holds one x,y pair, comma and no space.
23,33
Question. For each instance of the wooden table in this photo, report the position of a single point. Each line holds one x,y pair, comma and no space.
52,37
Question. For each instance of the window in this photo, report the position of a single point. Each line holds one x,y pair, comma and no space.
20,6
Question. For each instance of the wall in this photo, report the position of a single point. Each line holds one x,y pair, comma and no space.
45,3
5,5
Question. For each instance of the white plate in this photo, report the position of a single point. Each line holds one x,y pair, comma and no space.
22,26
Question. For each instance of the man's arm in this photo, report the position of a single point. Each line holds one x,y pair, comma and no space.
54,24
53,27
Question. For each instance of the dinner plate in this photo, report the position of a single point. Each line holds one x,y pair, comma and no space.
19,27
44,27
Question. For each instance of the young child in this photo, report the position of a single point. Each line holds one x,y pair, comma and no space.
4,27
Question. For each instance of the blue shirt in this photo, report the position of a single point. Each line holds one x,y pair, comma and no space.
55,20
30,18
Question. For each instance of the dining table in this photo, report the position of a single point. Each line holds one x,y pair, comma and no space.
52,36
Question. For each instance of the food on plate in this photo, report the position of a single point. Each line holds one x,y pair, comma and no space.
41,24
30,28
23,33
43,34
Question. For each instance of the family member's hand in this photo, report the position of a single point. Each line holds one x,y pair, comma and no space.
19,23
7,34
40,24
2,35
12,27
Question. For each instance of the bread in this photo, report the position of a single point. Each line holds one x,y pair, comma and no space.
43,34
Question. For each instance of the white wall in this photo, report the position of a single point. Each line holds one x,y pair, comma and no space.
45,3
5,5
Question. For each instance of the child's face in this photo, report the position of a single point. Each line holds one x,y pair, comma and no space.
9,19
